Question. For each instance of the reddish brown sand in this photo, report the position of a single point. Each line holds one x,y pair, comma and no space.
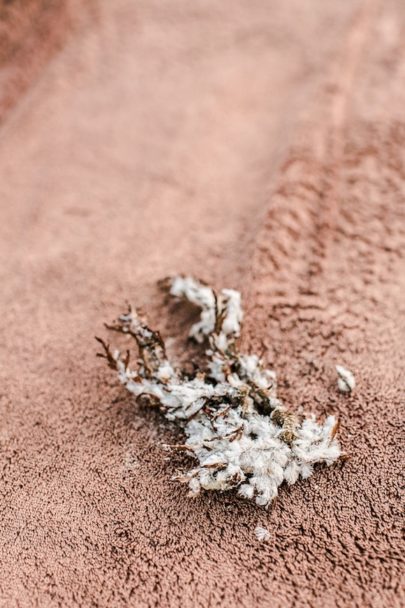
258,145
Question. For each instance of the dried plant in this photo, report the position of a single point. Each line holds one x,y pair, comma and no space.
239,432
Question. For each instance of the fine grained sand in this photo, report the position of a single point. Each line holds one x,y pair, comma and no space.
258,145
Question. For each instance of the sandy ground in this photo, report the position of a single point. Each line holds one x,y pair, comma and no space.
258,145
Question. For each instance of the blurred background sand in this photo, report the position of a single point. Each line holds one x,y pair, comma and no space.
257,145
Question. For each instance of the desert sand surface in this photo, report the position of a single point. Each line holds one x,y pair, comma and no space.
256,145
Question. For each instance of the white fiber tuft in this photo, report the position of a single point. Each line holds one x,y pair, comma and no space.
262,534
346,381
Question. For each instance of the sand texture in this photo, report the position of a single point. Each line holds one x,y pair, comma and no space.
257,145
